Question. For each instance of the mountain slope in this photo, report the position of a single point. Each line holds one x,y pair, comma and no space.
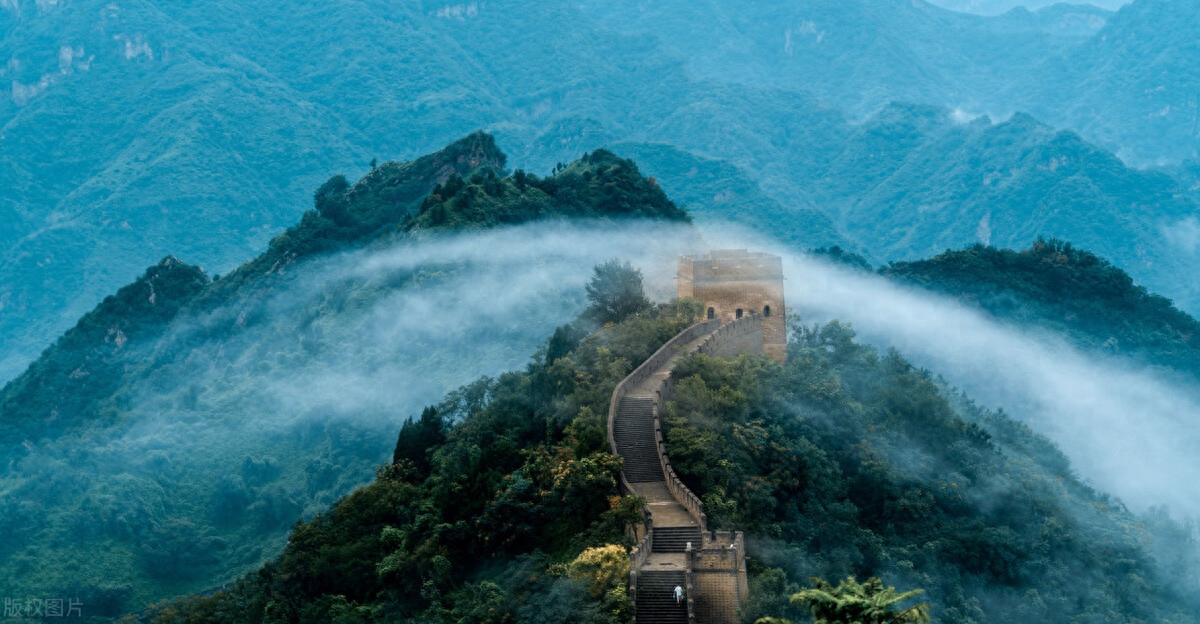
166,444
858,55
1130,87
914,182
150,128
124,139
218,122
841,462
996,7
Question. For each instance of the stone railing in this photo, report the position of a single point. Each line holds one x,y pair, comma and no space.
675,485
638,555
741,336
720,552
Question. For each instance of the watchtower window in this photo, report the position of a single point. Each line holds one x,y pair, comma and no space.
766,311
739,313
712,314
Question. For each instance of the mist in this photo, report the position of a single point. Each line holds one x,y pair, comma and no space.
286,398
273,406
1128,430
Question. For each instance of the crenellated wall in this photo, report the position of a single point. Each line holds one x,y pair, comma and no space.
718,574
716,569
741,336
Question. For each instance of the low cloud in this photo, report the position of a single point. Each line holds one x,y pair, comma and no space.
1126,429
1183,235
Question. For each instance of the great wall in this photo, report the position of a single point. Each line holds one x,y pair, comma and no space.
674,545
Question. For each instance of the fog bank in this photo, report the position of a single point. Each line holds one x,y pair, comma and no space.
1127,430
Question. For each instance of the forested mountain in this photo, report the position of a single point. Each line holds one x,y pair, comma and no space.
1120,79
1068,291
166,443
858,55
137,130
913,183
1130,88
842,462
245,246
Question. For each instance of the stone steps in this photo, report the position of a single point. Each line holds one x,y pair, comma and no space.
634,433
675,539
656,598
662,569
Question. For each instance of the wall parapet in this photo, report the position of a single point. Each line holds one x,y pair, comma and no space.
725,340
679,491
647,368
639,554
720,552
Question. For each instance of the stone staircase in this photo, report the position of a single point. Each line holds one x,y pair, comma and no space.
674,539
656,598
634,433
712,570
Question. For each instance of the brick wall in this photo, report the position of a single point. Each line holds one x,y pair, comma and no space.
730,282
718,572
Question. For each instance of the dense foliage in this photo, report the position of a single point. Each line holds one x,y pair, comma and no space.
615,292
847,462
852,602
166,444
58,391
599,184
500,505
1058,287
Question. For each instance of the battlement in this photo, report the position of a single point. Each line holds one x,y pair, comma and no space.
730,264
734,283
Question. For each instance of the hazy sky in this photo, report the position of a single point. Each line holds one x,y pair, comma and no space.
996,7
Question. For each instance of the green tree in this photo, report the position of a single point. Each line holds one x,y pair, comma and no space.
615,292
854,603
330,200
417,437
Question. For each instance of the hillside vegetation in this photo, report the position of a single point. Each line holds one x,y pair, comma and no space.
848,461
912,184
491,510
167,442
842,462
1060,288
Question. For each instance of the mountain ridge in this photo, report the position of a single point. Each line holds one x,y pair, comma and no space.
152,429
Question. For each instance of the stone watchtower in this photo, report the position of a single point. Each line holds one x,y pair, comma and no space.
733,283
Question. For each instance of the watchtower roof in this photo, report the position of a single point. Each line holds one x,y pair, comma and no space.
726,264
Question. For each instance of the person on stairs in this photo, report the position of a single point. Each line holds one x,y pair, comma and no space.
678,595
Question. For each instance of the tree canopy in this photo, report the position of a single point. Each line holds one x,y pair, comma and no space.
615,292
852,602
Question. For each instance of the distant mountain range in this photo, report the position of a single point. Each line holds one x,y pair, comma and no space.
996,7
136,130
